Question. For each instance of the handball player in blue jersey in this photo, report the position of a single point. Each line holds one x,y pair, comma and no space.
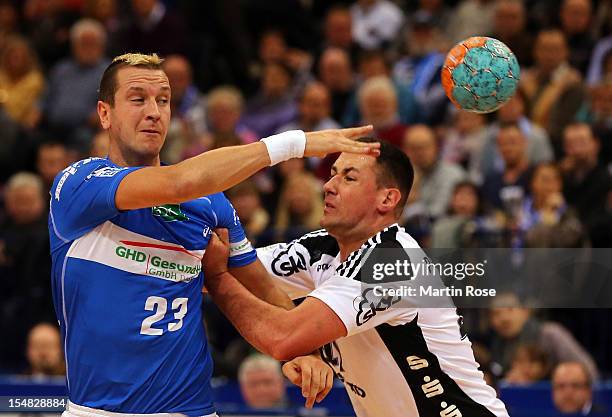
127,240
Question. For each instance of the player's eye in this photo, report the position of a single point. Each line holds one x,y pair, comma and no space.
163,100
349,178
137,100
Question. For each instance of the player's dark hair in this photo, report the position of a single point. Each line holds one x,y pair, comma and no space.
108,83
394,169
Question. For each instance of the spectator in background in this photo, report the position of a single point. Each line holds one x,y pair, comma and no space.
314,109
419,67
300,207
515,175
254,218
553,88
70,103
600,62
586,181
336,73
24,262
437,177
576,17
274,105
374,64
546,221
44,352
510,27
514,325
51,158
21,82
529,365
572,389
539,148
273,49
105,12
337,32
224,110
464,143
440,12
376,23
262,383
47,24
153,28
471,18
378,105
465,206
188,106
599,116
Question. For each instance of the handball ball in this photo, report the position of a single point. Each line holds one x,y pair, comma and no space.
480,74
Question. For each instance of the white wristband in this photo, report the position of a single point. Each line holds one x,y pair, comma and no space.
285,145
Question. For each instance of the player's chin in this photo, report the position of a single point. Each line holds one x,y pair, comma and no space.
327,220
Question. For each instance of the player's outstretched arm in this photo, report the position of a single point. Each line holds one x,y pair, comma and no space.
217,170
277,332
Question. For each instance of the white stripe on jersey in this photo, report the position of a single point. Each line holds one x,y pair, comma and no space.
119,248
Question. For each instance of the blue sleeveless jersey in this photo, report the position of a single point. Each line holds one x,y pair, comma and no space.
127,292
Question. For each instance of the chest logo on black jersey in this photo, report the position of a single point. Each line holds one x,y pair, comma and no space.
169,213
285,264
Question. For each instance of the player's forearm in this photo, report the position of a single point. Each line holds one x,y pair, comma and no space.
265,326
219,169
256,279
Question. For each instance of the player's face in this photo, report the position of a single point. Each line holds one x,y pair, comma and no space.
138,121
351,194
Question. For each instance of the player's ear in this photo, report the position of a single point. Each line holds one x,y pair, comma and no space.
390,198
104,114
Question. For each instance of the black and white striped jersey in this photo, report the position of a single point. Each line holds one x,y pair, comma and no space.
409,361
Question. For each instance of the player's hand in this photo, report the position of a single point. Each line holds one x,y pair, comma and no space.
314,376
329,141
215,258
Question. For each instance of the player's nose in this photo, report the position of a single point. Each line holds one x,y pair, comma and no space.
330,186
152,110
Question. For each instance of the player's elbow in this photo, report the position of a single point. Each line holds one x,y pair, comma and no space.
289,348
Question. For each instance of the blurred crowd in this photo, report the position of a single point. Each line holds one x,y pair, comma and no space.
536,173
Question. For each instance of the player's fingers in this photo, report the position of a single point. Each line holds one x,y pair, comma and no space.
351,146
293,374
329,383
223,235
357,132
306,380
315,384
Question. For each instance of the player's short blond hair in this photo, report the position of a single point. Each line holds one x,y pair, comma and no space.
108,83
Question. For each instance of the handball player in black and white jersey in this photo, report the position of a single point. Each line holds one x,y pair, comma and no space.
400,361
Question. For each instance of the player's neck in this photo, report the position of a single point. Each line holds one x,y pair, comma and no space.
127,159
354,239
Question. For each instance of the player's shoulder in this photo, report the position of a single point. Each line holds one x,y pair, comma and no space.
84,170
393,236
381,244
92,166
318,243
